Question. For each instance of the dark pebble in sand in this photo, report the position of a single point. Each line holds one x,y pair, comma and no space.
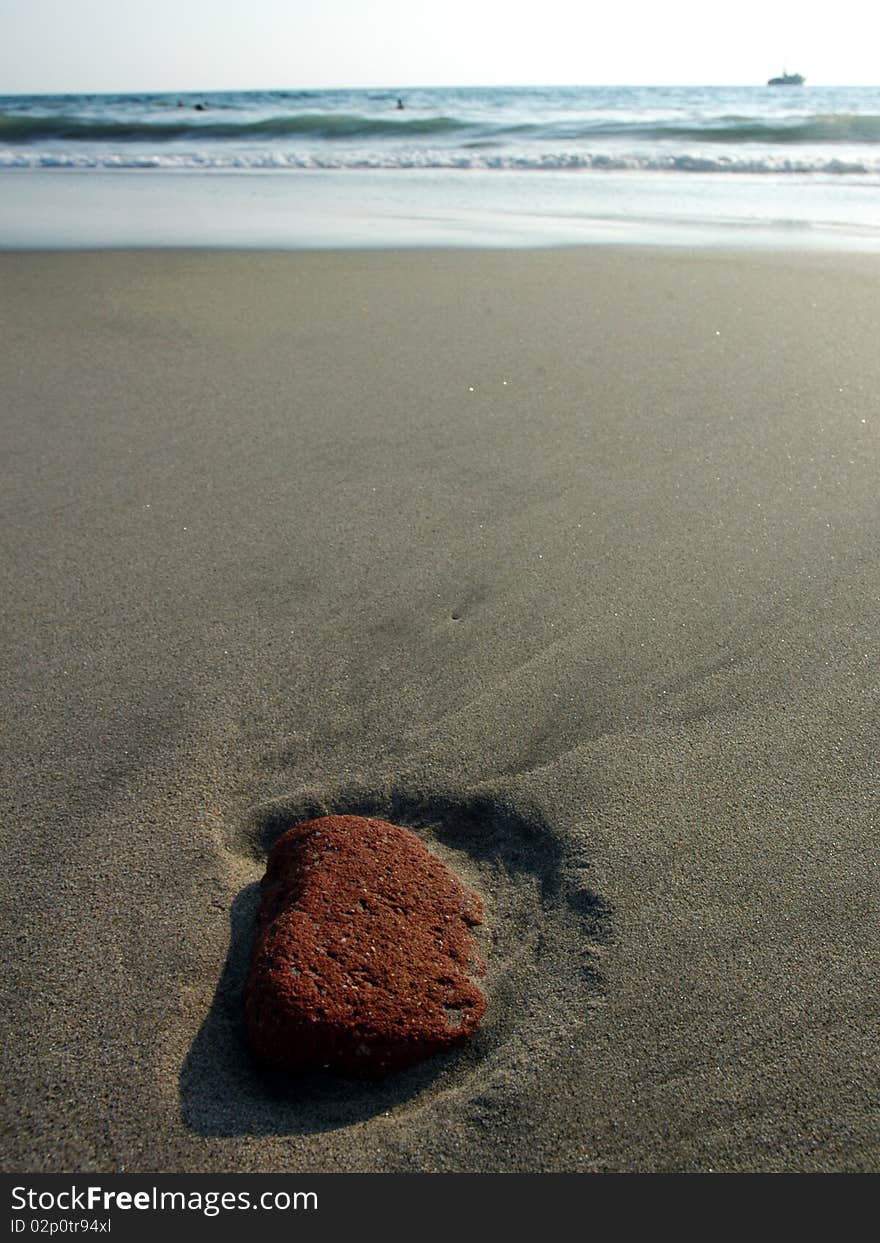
363,953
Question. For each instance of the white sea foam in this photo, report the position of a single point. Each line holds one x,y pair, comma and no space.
694,160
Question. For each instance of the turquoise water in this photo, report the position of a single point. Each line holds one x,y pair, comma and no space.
487,166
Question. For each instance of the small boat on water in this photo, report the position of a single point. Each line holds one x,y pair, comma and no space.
787,79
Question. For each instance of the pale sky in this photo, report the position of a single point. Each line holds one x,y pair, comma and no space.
178,45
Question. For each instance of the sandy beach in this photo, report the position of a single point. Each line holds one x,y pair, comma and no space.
567,559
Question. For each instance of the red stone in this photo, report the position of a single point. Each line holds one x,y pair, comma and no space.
363,953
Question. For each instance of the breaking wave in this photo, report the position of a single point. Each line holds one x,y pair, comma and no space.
830,131
23,129
26,128
546,161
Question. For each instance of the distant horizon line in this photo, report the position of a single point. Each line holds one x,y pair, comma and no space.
399,88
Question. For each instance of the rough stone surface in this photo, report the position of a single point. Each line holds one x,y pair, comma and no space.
363,953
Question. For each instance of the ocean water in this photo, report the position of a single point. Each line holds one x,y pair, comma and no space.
509,165
783,130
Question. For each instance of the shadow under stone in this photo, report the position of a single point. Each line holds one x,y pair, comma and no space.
518,857
225,1092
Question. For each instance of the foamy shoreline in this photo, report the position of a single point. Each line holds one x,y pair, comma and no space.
567,559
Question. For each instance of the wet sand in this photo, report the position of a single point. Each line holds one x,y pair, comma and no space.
567,559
